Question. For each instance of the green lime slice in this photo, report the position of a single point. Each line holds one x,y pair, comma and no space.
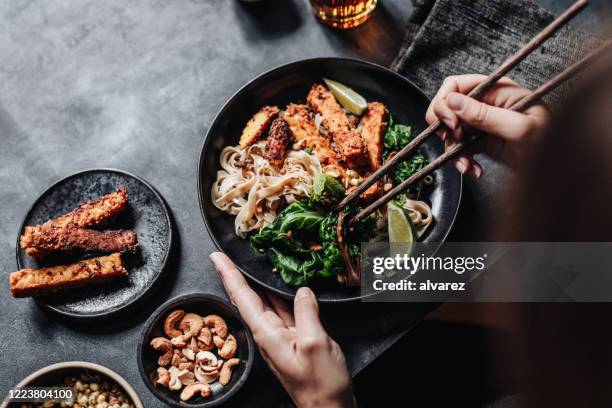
351,100
401,232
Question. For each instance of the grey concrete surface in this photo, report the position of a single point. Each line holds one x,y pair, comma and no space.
134,85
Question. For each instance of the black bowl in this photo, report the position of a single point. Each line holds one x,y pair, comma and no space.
203,304
291,83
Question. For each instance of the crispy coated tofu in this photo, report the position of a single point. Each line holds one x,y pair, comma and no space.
257,125
32,282
304,129
346,140
372,129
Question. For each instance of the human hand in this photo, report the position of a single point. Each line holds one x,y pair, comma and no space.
307,362
510,134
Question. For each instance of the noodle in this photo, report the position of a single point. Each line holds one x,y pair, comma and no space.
420,215
255,191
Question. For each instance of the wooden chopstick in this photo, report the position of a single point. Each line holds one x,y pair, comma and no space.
476,93
462,146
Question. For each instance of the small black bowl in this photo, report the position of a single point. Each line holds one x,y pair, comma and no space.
203,304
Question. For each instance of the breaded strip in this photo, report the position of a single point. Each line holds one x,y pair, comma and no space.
90,214
304,129
32,282
372,129
279,138
257,125
51,238
346,140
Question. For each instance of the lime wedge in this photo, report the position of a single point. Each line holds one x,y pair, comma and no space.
401,231
349,99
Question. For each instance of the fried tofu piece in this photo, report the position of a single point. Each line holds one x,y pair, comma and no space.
279,137
305,131
89,214
52,238
346,140
257,125
372,128
33,282
372,192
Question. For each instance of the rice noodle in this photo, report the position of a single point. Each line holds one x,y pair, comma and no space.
420,215
253,190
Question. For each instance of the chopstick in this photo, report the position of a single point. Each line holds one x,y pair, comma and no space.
462,146
476,93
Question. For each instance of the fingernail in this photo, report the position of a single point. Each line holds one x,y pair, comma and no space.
455,101
303,292
477,171
461,166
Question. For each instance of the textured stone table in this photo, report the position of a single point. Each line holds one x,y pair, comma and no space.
134,85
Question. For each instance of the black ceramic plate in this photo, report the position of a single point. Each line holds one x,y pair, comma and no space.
291,83
203,304
147,214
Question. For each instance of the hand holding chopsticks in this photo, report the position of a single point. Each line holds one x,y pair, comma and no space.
476,93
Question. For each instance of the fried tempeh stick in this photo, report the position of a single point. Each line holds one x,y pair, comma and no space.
87,215
51,238
257,125
346,140
33,282
279,138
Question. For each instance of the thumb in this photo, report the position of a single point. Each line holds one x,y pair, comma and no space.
499,122
308,327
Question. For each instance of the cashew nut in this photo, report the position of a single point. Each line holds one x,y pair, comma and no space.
170,323
216,324
186,377
187,366
188,353
175,383
205,336
218,341
176,358
191,324
207,360
165,358
179,341
163,377
229,347
161,344
192,389
204,347
193,346
205,377
226,371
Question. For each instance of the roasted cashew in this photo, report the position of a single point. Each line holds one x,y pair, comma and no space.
229,347
204,347
205,377
175,383
176,358
165,358
205,336
216,324
186,377
218,341
170,323
188,353
193,346
226,371
207,360
161,344
187,366
179,341
163,377
191,324
192,389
